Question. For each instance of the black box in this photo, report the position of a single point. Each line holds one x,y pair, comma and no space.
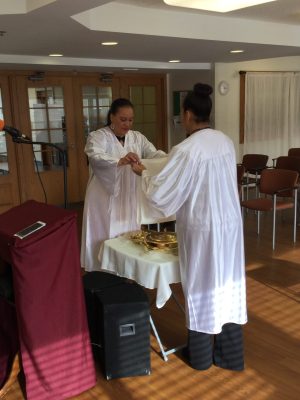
119,322
94,282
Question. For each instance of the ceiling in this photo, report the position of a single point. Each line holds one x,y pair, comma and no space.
149,34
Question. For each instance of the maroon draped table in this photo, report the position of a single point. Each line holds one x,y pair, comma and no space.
52,331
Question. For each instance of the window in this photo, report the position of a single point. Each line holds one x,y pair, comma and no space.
270,102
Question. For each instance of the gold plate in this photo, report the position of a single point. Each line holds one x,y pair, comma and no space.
161,240
155,240
161,237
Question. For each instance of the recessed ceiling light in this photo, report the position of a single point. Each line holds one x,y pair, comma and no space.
216,5
174,61
55,55
109,43
237,51
130,69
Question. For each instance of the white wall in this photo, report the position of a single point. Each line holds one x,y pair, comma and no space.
227,107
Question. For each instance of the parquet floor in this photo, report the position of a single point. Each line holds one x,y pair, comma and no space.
272,336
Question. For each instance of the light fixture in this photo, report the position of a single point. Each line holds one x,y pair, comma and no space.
130,69
174,61
55,55
216,5
106,77
237,51
109,43
37,76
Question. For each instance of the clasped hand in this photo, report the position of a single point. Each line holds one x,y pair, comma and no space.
135,162
130,158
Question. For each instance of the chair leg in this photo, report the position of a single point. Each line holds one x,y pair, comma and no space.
247,187
274,221
258,222
295,214
256,187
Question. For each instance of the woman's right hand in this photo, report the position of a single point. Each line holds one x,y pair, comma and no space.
129,159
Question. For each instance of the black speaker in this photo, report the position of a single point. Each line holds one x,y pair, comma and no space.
124,327
96,281
118,316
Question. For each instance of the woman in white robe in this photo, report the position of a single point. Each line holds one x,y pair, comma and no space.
110,201
199,184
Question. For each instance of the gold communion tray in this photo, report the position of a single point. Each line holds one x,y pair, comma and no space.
153,240
162,239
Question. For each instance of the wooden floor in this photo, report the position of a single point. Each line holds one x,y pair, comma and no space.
272,336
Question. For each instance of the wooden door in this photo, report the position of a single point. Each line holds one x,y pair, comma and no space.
147,93
9,193
93,98
44,112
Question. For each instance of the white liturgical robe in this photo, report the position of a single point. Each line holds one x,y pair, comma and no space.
110,200
199,184
146,214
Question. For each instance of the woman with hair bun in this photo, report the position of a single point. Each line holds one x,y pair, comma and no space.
199,184
110,206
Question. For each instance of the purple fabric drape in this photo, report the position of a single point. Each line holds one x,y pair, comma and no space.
52,326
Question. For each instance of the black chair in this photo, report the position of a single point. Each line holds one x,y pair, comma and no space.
240,172
294,152
254,164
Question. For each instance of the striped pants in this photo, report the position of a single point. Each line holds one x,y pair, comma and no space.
224,350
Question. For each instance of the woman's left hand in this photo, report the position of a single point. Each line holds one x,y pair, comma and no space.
138,168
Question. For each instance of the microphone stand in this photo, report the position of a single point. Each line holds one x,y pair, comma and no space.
62,152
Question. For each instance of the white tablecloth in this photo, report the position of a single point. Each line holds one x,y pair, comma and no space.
151,269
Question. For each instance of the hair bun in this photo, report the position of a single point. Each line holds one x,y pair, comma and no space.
202,89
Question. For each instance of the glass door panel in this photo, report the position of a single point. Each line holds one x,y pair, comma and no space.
47,119
145,110
147,93
96,101
92,99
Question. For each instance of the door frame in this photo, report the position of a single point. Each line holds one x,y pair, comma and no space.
9,188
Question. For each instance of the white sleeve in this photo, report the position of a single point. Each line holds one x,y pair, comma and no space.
168,190
95,149
103,165
146,213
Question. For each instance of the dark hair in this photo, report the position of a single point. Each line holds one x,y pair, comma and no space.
199,102
116,105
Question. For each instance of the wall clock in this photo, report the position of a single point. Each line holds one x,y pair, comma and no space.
223,87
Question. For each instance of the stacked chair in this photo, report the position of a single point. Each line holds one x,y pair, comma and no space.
240,172
294,152
254,164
